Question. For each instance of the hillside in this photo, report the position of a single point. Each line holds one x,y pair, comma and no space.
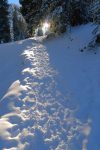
50,93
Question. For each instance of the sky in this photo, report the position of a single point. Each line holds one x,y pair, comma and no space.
14,1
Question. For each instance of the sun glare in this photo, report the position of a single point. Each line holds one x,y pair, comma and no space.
46,27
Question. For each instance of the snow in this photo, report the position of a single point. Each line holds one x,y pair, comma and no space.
49,93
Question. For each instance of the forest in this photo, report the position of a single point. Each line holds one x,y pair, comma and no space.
20,22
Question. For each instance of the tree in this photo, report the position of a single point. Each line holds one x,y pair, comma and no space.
77,9
94,11
4,22
55,12
19,24
31,11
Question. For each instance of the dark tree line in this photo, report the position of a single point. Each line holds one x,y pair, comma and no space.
60,13
12,23
4,22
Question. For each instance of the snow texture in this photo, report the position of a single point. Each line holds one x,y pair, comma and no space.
49,93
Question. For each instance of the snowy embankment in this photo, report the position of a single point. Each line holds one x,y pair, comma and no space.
49,93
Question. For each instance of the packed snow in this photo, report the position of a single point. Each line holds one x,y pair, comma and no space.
50,93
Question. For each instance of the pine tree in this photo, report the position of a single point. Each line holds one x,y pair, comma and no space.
55,12
11,21
19,24
76,12
4,22
94,11
31,11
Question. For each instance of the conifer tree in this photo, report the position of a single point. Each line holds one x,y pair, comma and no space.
4,22
55,11
31,11
94,11
76,10
19,24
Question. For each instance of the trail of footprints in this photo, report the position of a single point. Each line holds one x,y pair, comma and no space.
41,121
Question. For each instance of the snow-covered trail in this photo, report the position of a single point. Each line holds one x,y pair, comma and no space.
53,104
39,118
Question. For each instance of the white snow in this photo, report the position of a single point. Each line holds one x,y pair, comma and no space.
49,93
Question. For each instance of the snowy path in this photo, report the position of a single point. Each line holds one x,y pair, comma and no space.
51,105
39,118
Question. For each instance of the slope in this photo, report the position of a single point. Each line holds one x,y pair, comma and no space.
50,93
